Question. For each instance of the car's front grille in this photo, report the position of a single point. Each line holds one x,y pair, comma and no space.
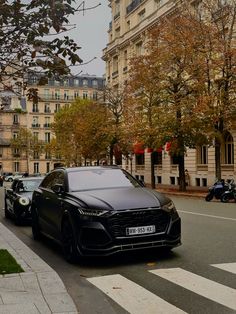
118,222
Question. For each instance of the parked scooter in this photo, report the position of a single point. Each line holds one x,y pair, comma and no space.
230,194
217,190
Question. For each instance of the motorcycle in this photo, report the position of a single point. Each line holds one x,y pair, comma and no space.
230,194
217,190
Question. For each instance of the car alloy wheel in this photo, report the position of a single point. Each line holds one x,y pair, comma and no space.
69,242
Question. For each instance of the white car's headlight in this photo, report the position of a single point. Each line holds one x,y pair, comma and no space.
24,201
92,212
169,207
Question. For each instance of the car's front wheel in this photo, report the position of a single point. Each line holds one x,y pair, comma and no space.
69,242
35,225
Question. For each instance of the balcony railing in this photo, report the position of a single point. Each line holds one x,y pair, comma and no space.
35,125
56,97
47,125
116,15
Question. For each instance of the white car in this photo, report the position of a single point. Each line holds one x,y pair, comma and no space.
11,177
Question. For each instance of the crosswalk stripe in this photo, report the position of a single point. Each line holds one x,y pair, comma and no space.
230,267
200,285
132,297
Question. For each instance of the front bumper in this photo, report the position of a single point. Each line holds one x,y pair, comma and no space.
96,239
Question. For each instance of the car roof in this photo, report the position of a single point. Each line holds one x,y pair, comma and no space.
87,168
29,178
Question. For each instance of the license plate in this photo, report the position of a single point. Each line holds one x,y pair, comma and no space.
140,230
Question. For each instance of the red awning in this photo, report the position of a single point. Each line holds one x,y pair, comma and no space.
138,148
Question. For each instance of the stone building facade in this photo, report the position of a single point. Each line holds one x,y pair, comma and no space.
127,34
38,117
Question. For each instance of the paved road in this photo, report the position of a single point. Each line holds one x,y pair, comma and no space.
198,277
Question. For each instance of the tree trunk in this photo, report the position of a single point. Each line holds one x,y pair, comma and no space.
217,160
182,183
111,154
153,185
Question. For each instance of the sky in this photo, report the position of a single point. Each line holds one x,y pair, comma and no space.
91,35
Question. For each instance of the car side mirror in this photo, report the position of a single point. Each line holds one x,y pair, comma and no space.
58,188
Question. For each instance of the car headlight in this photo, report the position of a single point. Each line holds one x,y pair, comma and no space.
92,212
24,201
169,207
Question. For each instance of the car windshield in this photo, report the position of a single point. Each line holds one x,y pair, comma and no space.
28,186
100,179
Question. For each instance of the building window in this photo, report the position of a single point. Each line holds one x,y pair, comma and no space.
117,32
15,119
115,66
85,82
95,96
76,82
57,83
66,82
47,167
141,15
35,122
46,93
36,135
15,135
16,152
16,166
57,107
95,83
85,94
139,48
47,122
76,94
229,149
157,158
159,3
66,94
47,137
36,155
36,167
202,155
139,159
47,108
57,94
35,108
128,26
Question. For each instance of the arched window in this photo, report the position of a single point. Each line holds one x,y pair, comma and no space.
229,149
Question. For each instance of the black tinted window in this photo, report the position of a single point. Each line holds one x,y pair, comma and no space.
99,179
53,178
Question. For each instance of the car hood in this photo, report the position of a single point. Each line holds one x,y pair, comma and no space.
26,194
121,198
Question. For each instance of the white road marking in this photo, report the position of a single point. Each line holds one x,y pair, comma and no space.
200,285
205,215
132,297
230,267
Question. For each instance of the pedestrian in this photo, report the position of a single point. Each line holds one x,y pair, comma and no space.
187,177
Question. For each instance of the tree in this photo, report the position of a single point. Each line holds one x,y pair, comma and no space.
217,58
27,143
164,85
114,102
31,39
88,136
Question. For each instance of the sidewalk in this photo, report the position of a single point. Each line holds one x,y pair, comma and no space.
38,290
191,191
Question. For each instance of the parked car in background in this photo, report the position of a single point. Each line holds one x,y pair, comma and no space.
102,210
18,198
11,177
